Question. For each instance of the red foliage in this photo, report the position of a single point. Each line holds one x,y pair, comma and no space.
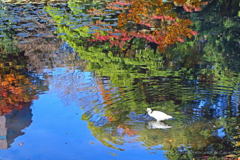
157,23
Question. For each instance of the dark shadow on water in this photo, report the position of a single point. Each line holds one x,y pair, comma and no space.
13,124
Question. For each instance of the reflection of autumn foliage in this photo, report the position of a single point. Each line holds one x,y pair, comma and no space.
105,93
16,87
127,130
107,96
190,6
118,5
152,21
15,92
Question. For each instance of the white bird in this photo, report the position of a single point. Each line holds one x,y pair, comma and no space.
157,125
158,115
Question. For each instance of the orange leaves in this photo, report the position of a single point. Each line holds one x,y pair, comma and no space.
153,21
135,13
127,130
118,5
176,32
15,92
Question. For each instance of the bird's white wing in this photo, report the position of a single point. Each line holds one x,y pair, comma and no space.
160,115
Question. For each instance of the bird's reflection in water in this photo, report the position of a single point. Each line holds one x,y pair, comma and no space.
12,124
157,125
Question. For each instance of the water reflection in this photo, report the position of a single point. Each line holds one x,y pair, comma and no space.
191,80
115,128
19,87
12,124
157,125
113,61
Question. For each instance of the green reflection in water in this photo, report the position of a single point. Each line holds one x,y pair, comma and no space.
203,70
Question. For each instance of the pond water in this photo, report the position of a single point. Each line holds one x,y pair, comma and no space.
77,77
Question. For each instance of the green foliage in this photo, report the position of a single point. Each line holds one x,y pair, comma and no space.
7,44
142,77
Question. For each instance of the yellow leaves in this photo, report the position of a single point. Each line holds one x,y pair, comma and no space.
237,144
179,2
232,157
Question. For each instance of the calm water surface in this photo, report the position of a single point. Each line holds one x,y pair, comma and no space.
76,78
